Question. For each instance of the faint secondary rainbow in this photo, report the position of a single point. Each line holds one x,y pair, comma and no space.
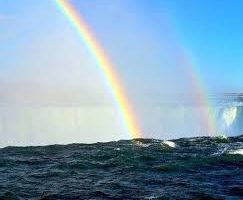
207,115
104,64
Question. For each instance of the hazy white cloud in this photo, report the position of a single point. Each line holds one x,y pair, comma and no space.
56,92
52,66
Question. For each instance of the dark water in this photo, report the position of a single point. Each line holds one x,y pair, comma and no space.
197,168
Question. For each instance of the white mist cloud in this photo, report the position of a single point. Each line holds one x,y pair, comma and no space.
53,92
51,65
51,89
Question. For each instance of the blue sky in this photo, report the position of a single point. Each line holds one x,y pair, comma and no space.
135,36
44,62
209,30
212,31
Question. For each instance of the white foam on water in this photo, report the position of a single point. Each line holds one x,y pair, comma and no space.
221,151
140,144
222,136
238,151
151,197
169,143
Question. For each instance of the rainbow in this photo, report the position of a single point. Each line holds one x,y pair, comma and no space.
207,115
104,64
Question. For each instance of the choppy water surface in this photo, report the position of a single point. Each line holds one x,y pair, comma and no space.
193,168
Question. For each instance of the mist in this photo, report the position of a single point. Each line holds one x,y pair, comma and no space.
51,90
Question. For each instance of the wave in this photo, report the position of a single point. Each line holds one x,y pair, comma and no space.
238,151
197,168
169,143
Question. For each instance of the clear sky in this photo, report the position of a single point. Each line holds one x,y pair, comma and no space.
209,31
135,34
44,62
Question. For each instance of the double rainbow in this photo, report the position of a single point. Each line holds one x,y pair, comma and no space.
104,64
113,81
